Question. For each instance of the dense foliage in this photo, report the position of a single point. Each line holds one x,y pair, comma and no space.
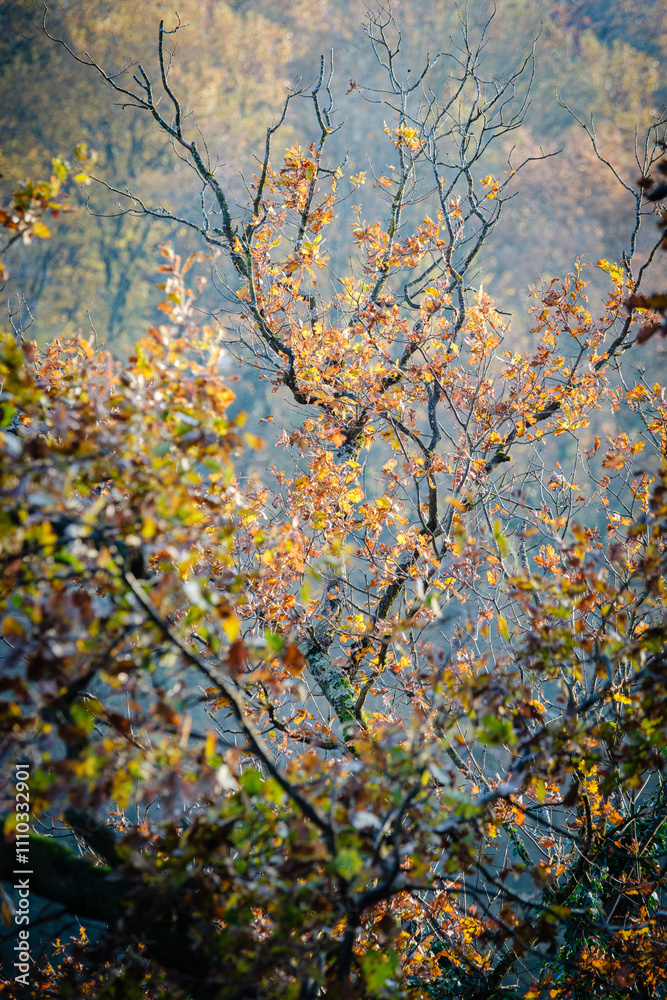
377,706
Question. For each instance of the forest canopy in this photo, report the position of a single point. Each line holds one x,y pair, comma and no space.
332,600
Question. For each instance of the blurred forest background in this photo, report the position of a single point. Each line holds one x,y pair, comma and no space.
232,67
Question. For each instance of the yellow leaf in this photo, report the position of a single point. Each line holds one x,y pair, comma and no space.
613,270
231,627
622,699
456,504
39,229
148,528
10,626
503,627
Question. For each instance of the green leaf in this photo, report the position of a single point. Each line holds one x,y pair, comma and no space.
496,730
378,967
348,862
60,168
8,414
501,541
65,556
273,641
252,781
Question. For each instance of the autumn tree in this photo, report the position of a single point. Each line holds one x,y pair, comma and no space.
386,716
104,254
600,58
